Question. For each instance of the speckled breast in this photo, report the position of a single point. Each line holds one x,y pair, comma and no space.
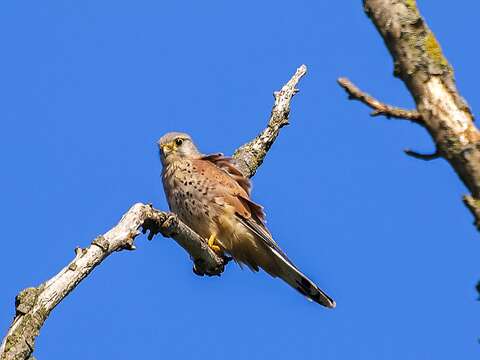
186,190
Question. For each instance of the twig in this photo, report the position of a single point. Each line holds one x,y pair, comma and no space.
379,108
426,157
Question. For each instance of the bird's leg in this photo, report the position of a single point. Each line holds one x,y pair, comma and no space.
211,244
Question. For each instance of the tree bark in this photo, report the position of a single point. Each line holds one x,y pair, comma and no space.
33,305
420,63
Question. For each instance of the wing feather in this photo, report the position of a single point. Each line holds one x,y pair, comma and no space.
258,249
227,164
255,223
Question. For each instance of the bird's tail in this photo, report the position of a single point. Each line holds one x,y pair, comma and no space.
265,253
296,279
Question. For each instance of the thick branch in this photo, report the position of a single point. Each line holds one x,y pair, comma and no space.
33,305
250,156
379,108
420,63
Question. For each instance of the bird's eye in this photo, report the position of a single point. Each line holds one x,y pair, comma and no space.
178,142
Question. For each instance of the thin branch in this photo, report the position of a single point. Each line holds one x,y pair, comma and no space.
251,155
425,157
379,108
33,305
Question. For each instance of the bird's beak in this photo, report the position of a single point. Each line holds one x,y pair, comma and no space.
166,148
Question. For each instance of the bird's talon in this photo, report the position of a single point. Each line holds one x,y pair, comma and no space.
211,244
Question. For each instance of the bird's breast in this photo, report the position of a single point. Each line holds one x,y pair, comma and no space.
186,190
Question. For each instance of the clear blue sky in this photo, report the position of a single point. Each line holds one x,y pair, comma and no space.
86,89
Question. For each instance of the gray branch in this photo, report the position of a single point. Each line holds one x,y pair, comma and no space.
379,108
250,156
33,305
420,63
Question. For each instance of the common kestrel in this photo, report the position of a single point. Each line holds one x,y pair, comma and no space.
211,196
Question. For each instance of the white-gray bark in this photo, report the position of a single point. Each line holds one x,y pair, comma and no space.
250,156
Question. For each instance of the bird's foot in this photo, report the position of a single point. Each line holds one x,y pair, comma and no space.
211,245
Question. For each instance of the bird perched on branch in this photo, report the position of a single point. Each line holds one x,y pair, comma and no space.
210,195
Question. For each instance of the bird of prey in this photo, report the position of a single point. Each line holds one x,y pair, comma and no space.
210,195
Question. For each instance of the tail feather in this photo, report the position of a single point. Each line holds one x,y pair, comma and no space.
296,279
306,287
260,250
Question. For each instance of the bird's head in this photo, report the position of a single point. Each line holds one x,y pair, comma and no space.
175,145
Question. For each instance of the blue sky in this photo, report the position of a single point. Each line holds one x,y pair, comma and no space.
89,86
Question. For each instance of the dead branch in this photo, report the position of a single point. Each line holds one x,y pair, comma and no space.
250,155
379,108
33,305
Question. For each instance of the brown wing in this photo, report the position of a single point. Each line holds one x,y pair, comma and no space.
248,212
227,164
258,249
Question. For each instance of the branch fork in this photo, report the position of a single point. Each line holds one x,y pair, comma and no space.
420,63
34,304
379,108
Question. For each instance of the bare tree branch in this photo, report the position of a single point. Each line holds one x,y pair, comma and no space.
420,63
33,305
250,155
379,108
